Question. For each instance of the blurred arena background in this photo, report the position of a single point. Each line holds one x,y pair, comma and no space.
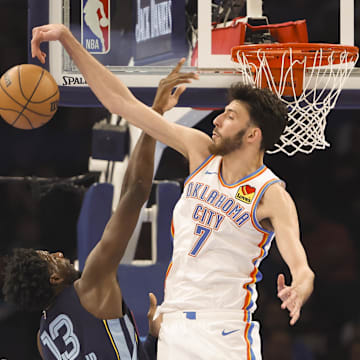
40,208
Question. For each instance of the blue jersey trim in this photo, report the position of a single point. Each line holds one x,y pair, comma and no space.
132,335
253,214
197,169
251,341
244,178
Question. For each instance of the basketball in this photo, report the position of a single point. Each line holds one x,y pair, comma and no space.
29,96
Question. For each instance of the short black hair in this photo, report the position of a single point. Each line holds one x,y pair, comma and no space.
266,111
27,280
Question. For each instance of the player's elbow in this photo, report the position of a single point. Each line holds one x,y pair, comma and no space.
114,105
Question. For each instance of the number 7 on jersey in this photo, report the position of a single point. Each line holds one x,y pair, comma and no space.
203,233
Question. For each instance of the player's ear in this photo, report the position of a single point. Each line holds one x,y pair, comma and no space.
254,134
55,279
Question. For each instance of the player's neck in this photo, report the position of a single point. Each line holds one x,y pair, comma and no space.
240,163
57,291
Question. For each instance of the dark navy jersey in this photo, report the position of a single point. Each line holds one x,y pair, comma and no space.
68,331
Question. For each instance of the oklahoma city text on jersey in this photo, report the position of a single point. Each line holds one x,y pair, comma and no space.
218,242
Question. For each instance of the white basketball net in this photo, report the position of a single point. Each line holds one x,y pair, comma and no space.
322,85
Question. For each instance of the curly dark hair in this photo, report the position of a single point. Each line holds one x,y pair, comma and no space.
266,111
27,280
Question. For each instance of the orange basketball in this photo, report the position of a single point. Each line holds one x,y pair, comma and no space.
29,96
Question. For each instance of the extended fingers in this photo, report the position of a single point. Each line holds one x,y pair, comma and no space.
35,45
295,315
284,293
292,303
171,82
280,282
50,32
178,66
290,298
188,76
180,78
178,91
35,42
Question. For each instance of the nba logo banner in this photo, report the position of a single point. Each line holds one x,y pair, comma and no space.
95,26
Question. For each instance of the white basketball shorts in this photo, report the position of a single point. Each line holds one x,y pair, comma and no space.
208,336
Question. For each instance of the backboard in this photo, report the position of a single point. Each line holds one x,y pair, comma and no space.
140,41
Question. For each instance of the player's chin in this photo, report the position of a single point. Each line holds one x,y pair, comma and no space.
71,274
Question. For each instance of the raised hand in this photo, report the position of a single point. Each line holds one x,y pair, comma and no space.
43,33
165,98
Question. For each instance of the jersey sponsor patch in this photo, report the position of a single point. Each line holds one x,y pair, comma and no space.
95,26
245,193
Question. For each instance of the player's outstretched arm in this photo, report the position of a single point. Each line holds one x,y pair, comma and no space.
103,261
100,268
117,98
280,209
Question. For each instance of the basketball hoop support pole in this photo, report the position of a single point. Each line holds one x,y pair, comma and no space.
347,22
254,8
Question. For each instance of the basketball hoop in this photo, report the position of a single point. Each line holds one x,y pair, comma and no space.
307,77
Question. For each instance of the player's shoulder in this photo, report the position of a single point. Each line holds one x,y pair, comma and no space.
277,185
276,201
276,192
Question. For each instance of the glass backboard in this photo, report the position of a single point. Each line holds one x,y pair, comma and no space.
140,40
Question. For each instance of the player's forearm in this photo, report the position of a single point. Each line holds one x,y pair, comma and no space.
105,85
139,172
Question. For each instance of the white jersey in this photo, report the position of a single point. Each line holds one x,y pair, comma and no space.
218,242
